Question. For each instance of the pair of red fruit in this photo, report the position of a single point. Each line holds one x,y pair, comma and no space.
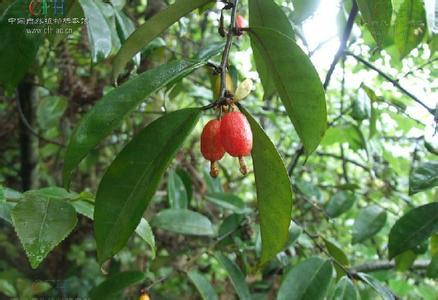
231,134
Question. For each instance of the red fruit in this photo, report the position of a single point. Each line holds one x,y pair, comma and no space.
211,146
236,137
240,22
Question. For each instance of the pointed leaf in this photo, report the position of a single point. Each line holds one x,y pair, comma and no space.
236,276
423,177
413,228
345,290
204,287
41,224
337,253
274,193
116,283
377,17
410,26
114,106
308,280
183,221
369,221
297,82
176,191
339,204
151,29
383,291
99,34
132,179
266,13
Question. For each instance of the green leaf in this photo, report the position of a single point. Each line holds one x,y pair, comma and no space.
274,193
432,269
228,201
114,106
369,221
125,27
236,276
405,260
303,9
377,17
41,224
7,288
176,191
361,108
423,177
50,110
339,204
115,284
99,34
5,211
410,26
133,177
144,230
337,253
183,221
297,82
413,228
345,290
204,287
266,13
308,280
187,181
229,225
18,49
383,291
152,29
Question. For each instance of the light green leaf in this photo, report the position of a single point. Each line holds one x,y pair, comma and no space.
266,13
99,34
410,26
204,287
274,193
308,280
405,260
369,221
339,204
152,29
296,81
361,108
377,17
41,224
125,27
7,288
303,9
236,276
337,253
423,177
345,290
383,291
5,211
115,284
114,106
183,221
432,269
228,201
133,177
413,228
50,110
176,191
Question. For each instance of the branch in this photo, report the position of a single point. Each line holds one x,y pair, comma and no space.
381,265
346,160
392,80
343,45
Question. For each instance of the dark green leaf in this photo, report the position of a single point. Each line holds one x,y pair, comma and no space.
308,280
266,13
304,9
345,290
176,191
229,225
413,228
125,27
337,253
294,233
132,179
410,26
116,283
183,221
204,287
432,269
113,107
151,29
423,177
41,224
339,203
210,50
99,34
236,276
369,221
274,193
361,108
18,49
377,17
297,82
228,201
383,291
187,181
